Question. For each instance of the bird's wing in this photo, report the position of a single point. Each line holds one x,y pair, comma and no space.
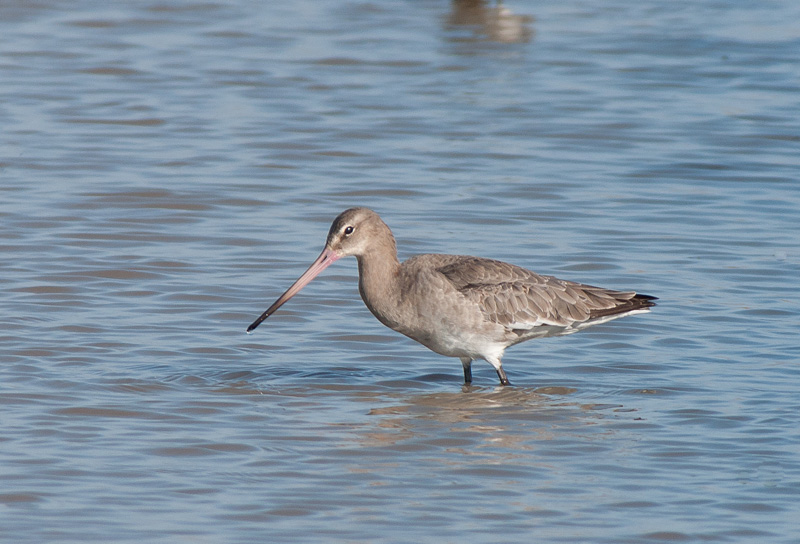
520,299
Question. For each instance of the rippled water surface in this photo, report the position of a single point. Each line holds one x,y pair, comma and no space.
168,168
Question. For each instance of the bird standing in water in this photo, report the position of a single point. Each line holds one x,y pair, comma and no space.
460,306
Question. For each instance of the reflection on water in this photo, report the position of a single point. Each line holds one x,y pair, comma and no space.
481,417
497,23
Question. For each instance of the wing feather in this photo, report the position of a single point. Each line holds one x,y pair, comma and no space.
521,299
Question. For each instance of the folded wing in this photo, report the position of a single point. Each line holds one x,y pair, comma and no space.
523,300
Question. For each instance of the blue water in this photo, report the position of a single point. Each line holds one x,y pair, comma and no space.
168,169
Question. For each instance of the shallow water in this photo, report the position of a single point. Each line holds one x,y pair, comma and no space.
168,169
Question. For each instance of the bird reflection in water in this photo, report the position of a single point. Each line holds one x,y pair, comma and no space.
485,424
497,23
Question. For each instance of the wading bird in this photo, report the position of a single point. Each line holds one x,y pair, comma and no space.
460,306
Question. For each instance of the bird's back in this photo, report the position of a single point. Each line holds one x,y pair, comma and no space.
523,301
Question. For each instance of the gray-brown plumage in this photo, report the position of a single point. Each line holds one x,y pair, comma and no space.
460,306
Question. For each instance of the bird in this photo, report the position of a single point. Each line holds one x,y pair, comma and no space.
457,305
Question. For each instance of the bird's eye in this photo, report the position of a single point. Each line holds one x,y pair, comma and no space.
348,231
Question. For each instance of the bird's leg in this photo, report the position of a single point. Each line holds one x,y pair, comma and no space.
498,366
466,362
502,375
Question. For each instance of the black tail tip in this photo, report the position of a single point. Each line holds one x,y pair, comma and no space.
646,300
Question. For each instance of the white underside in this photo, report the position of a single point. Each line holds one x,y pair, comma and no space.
478,347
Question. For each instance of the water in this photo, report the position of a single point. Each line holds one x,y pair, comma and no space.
167,169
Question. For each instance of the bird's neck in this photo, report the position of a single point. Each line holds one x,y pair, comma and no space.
377,282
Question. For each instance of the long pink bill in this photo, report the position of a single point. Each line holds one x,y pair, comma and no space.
325,259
